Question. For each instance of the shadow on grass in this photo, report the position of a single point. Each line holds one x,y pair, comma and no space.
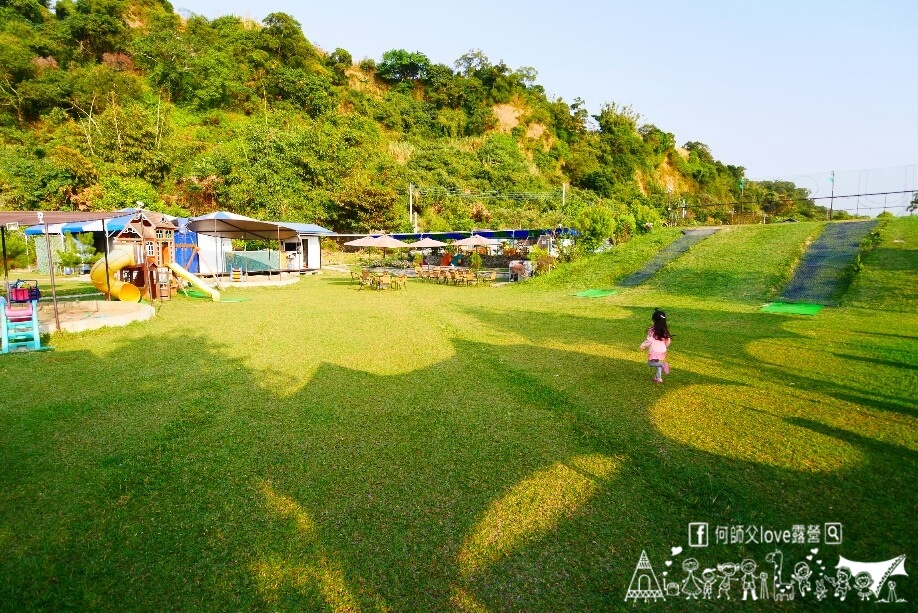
172,477
858,396
878,361
872,445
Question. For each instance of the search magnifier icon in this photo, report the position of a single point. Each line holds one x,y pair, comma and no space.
833,534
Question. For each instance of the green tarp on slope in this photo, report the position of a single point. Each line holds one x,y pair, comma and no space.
801,308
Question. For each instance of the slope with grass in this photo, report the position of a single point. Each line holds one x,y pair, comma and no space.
741,265
608,268
450,448
666,255
893,264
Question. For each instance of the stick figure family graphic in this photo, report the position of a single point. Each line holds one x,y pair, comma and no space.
747,580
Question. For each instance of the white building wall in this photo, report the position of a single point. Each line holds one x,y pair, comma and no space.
212,251
312,252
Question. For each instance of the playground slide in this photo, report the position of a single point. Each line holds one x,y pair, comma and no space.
195,280
117,259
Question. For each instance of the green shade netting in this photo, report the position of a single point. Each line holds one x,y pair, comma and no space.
800,308
596,293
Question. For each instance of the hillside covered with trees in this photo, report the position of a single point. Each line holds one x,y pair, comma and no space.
104,103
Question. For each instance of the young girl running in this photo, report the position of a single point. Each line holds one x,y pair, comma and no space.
656,344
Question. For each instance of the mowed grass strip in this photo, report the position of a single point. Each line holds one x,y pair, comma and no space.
442,448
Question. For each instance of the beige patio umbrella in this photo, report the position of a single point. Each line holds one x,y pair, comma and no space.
363,241
427,243
387,242
475,240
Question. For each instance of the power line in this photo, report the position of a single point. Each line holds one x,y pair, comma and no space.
805,199
489,195
549,195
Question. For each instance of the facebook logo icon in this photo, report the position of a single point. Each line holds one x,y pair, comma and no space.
698,534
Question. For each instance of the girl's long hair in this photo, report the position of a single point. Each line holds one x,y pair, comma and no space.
660,329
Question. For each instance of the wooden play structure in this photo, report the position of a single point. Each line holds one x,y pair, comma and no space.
139,261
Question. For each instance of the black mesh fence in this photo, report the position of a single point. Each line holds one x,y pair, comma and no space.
667,254
822,268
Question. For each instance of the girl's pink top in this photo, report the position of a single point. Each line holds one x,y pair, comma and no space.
656,347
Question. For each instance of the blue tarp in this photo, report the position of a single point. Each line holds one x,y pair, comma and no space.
112,226
40,229
185,243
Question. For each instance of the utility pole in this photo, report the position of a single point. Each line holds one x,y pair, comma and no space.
411,206
742,189
832,198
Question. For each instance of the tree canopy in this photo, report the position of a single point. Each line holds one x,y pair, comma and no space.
104,102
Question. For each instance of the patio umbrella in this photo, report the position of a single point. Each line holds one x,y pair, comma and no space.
363,241
388,242
425,243
475,240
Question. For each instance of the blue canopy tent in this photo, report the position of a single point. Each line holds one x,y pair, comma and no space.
112,226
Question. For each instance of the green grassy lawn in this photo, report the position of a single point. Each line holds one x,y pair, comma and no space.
448,448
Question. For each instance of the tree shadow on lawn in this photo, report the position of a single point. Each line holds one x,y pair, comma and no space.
481,480
787,494
877,361
831,386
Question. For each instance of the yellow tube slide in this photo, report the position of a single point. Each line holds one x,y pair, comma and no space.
117,259
195,280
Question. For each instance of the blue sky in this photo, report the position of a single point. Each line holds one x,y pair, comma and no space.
788,89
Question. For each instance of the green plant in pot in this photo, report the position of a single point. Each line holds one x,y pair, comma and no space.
475,261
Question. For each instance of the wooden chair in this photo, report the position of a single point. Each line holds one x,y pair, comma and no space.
489,278
470,278
365,279
400,281
384,281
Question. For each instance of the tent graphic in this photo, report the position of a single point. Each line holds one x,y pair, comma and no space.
644,582
879,571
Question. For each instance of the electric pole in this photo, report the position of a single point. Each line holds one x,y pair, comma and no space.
832,197
742,188
411,207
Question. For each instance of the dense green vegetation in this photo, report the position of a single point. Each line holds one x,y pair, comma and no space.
104,103
450,448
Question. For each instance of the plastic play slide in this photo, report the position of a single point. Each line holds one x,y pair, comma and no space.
117,259
195,280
